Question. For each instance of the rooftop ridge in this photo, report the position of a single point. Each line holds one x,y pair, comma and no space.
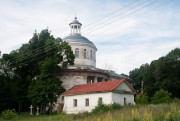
94,87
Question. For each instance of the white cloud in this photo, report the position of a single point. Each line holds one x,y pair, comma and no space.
134,56
123,45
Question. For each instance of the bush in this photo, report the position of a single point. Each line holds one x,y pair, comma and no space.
173,116
101,108
9,114
176,100
161,96
142,99
115,106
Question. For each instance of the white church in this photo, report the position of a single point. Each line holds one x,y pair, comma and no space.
87,85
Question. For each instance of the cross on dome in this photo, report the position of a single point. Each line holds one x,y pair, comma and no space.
75,17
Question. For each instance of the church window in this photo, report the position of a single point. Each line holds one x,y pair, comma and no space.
99,79
100,101
94,55
62,98
87,102
84,53
75,102
77,53
125,103
90,79
91,55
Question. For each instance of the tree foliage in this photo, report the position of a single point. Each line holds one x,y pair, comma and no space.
9,114
143,99
161,96
32,69
163,73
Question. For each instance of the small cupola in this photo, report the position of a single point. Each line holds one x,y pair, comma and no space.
75,26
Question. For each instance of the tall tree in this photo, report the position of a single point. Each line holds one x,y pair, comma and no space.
34,67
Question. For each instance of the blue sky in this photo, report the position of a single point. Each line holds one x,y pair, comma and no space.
141,31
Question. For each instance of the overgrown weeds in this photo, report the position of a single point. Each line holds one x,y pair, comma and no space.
160,112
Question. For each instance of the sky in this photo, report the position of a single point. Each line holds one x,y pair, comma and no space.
127,33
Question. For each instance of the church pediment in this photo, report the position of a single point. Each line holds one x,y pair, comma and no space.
124,87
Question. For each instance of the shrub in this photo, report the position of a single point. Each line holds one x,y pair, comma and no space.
9,114
161,96
115,106
176,100
173,116
101,108
142,99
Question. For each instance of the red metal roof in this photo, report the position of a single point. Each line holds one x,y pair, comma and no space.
94,87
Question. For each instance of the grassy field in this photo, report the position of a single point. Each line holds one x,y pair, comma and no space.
162,112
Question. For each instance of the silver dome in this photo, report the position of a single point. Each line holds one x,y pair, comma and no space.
77,38
75,21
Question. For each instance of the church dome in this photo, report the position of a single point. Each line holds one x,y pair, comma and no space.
75,21
83,49
77,38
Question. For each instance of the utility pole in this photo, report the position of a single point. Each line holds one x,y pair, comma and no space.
178,58
142,87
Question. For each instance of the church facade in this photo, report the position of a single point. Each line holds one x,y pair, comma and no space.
84,70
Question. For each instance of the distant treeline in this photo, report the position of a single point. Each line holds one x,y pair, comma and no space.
163,73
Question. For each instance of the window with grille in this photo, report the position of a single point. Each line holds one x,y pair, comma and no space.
91,55
77,53
100,101
87,102
75,102
84,53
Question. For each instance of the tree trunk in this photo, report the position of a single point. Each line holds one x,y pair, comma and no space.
50,108
19,107
41,109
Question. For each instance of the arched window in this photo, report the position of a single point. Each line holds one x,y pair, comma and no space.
77,53
91,55
84,53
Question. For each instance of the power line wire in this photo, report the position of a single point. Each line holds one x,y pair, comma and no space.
21,63
52,92
29,56
25,57
131,8
138,15
16,59
110,14
88,33
123,16
32,51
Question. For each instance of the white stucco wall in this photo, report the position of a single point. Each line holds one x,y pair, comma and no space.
119,98
70,81
93,101
88,61
108,98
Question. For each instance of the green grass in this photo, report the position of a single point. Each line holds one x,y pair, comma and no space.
161,112
57,117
